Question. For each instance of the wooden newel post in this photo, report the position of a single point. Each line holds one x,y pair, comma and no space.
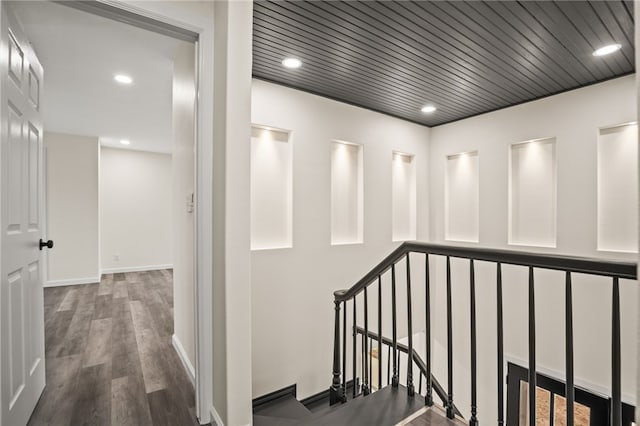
336,392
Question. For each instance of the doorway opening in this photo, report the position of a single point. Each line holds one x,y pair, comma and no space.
120,154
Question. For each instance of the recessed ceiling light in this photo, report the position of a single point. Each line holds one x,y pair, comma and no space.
123,79
125,142
428,109
605,50
292,62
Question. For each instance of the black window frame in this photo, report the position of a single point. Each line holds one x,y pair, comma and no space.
599,405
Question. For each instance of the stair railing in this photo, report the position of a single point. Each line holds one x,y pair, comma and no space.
568,264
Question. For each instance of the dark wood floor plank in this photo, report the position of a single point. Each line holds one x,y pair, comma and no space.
120,289
55,406
164,412
155,376
98,349
104,306
140,315
129,405
106,285
75,340
93,403
55,330
70,300
53,296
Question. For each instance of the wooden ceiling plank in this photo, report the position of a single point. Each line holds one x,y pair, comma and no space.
500,17
484,42
365,88
564,30
548,42
352,66
336,61
412,59
428,43
441,85
594,32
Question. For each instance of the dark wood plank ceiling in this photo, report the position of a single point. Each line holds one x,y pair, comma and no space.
464,57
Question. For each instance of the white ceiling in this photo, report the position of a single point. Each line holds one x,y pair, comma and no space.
80,54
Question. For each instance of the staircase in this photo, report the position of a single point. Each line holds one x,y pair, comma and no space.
389,374
389,406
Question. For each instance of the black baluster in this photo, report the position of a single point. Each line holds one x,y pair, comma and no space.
369,355
570,390
420,383
335,393
365,355
428,399
388,365
474,400
532,349
394,377
355,351
500,348
379,332
344,350
450,411
410,387
616,384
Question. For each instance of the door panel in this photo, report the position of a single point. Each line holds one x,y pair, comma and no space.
21,298
34,182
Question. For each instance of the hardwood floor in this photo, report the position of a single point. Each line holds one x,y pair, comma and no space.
109,357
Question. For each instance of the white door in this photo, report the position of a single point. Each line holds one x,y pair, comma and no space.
21,298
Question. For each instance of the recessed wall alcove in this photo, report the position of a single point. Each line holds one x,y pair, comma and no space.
271,188
346,193
403,196
462,197
618,188
532,193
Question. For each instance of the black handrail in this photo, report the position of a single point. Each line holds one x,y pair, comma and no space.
608,268
437,387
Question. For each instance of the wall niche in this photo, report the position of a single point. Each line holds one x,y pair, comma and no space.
271,188
532,193
403,196
462,197
618,188
346,193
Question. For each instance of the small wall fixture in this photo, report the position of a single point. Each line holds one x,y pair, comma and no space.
292,62
125,142
123,79
428,109
606,50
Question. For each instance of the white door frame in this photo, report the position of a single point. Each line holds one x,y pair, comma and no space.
148,17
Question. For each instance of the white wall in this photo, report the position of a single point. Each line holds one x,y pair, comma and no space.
72,208
183,173
573,118
231,218
293,288
637,103
135,210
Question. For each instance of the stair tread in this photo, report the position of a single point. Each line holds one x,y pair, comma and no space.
432,416
259,420
385,407
287,408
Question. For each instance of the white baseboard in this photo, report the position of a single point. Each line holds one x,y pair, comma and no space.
136,269
215,417
182,354
75,281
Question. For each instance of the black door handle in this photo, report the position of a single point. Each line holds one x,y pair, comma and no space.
47,244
